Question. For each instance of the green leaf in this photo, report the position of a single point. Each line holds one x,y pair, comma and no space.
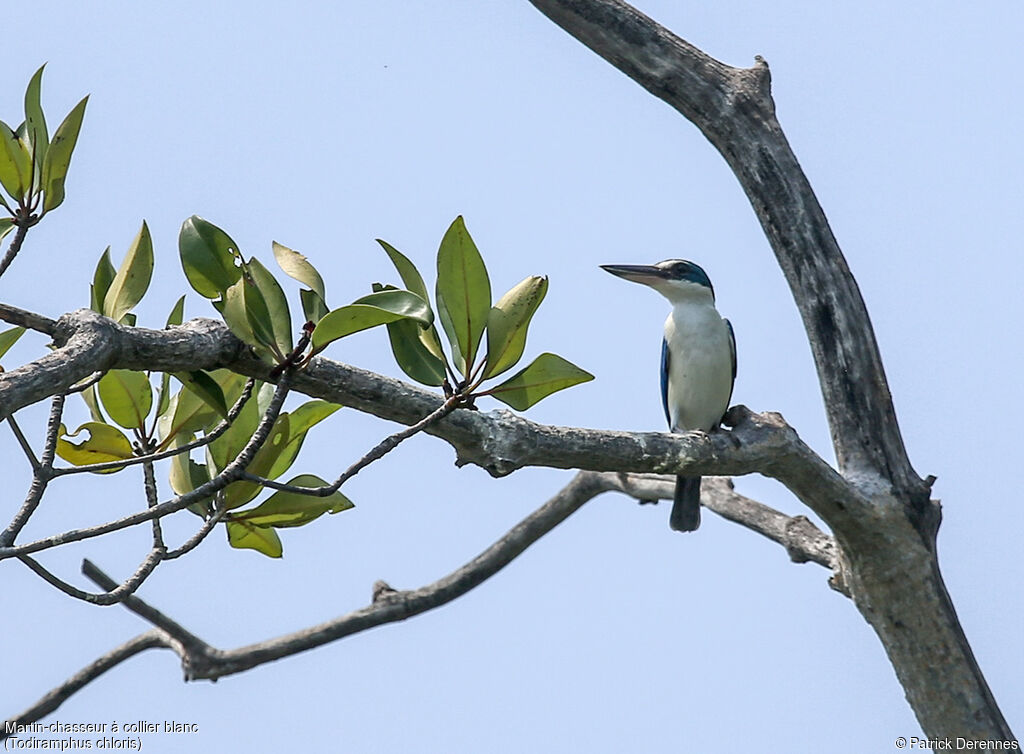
209,257
101,280
422,365
411,277
35,122
232,309
226,448
15,163
240,493
245,536
6,226
132,279
58,156
412,354
9,337
105,443
177,315
175,318
287,509
546,374
313,307
204,386
298,267
300,421
257,314
188,413
276,304
463,293
127,397
507,324
370,311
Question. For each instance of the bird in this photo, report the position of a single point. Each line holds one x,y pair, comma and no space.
698,362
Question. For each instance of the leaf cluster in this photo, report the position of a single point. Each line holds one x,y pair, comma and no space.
485,340
34,166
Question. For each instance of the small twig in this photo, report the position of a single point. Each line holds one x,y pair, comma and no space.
111,597
83,386
144,610
23,441
15,316
42,473
149,482
204,530
22,223
380,450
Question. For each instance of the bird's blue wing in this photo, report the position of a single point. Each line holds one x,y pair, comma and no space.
664,378
732,347
732,352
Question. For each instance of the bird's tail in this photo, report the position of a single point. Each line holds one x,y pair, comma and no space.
686,506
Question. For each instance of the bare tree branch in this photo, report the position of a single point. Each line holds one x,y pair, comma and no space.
116,594
201,660
92,671
42,472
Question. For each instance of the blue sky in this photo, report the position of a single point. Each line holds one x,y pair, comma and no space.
324,126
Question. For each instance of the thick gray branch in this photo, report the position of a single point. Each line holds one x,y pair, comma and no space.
498,441
733,108
890,540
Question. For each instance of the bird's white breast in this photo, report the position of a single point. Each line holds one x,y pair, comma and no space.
700,366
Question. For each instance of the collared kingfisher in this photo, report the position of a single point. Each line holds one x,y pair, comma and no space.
698,362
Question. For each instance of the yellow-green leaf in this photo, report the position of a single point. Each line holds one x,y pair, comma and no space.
186,475
546,374
127,397
286,509
300,421
132,278
35,122
507,324
58,156
240,493
9,337
105,443
245,536
298,267
15,163
232,309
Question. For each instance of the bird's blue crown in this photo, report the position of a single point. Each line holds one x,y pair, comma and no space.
682,269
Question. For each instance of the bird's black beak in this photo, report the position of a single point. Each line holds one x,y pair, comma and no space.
645,274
